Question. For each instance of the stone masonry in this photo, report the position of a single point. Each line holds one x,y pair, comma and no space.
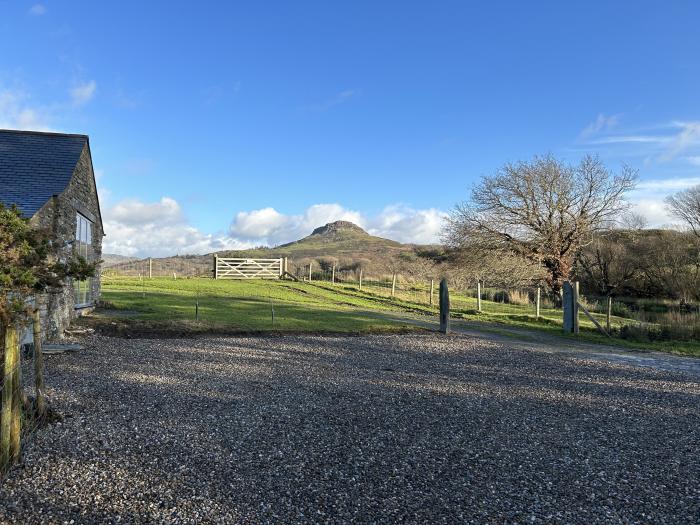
58,216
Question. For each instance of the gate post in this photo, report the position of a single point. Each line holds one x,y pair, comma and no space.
216,267
570,307
444,307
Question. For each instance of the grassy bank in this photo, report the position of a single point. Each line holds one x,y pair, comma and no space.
248,306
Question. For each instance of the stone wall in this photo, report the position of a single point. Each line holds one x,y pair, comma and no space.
58,216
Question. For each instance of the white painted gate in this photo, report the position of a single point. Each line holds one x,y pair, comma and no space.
229,268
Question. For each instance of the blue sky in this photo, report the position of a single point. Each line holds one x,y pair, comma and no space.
222,124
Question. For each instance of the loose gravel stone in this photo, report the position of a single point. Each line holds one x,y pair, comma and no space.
375,429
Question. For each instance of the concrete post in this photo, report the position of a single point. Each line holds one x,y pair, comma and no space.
444,307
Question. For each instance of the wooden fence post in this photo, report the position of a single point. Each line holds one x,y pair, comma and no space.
333,275
537,302
608,314
444,307
286,268
432,289
16,431
393,285
282,267
310,264
575,301
478,296
150,268
360,279
6,412
38,365
216,267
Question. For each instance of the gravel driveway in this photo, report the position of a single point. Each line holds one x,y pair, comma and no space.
413,428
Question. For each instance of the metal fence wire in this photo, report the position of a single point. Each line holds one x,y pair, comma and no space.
23,406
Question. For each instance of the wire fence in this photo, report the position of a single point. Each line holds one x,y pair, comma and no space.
181,267
23,406
420,292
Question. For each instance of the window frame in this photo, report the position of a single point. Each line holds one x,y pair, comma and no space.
82,290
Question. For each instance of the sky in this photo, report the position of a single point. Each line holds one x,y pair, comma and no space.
218,125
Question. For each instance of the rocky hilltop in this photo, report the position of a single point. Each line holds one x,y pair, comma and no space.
333,228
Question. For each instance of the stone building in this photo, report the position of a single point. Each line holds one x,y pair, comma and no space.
50,178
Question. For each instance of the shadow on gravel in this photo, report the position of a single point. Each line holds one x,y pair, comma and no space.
382,428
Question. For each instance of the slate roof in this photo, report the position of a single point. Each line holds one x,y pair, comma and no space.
34,166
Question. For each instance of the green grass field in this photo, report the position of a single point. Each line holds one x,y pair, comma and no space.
247,306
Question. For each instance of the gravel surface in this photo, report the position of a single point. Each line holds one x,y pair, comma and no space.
412,428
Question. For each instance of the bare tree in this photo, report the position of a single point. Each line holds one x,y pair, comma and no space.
543,210
685,205
610,261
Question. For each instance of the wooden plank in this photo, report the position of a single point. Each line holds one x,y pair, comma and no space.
596,323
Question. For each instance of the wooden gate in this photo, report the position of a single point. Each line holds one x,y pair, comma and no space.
227,268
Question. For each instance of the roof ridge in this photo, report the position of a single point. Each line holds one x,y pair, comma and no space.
51,133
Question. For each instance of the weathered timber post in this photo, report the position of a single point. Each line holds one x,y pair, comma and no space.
393,285
333,275
537,302
360,279
478,296
444,307
432,290
17,404
310,264
6,414
38,365
286,268
216,267
608,314
575,301
150,268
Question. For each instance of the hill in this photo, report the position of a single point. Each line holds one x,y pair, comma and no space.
340,243
111,259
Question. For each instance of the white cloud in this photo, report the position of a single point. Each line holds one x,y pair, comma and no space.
37,10
639,139
654,211
158,229
83,93
16,112
673,184
687,137
648,198
270,227
662,142
397,222
258,224
408,225
601,123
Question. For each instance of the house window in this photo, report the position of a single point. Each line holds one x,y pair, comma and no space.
83,247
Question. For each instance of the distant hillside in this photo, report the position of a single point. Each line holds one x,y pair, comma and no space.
340,243
110,259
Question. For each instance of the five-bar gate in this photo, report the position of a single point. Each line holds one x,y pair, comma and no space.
228,268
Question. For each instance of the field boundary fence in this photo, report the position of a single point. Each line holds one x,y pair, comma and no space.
24,406
519,303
